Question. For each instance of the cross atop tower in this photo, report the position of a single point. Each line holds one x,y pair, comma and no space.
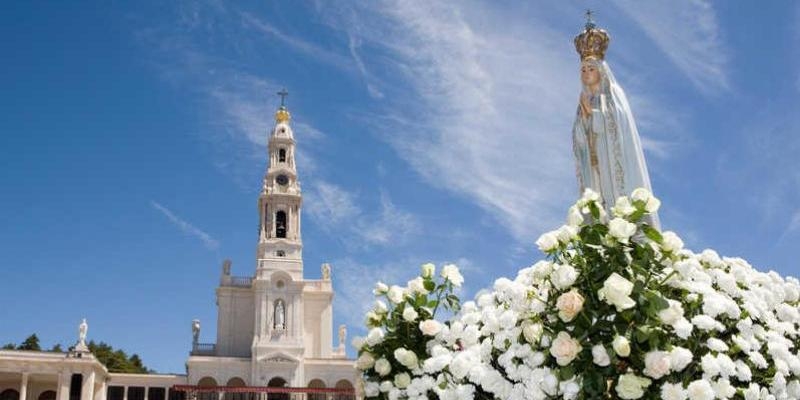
283,93
589,19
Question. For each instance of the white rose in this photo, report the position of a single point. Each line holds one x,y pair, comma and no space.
395,294
753,392
382,367
574,216
672,314
700,390
564,348
683,328
600,355
386,386
671,243
365,361
631,386
371,389
651,204
357,342
547,242
417,285
380,288
616,291
673,391
402,380
410,314
407,358
373,319
542,270
563,276
430,327
623,207
589,195
679,358
569,304
380,308
621,229
724,390
450,272
428,269
566,233
793,389
374,336
532,331
656,364
569,389
621,346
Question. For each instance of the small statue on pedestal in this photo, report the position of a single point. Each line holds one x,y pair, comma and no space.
195,331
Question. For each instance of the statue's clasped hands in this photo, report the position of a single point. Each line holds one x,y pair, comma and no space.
585,105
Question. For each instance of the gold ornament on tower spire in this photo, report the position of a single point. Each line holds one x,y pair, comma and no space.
593,41
282,115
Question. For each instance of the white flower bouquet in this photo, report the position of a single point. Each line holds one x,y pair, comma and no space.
617,310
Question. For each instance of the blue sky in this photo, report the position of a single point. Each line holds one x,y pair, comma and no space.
132,145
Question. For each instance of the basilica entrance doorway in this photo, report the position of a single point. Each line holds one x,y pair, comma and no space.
277,382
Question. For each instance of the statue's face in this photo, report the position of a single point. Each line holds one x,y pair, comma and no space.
590,73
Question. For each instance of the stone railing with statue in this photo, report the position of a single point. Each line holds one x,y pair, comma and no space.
238,281
204,349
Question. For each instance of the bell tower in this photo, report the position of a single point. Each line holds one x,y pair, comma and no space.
279,241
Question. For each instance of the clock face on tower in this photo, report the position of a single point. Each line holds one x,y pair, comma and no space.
282,180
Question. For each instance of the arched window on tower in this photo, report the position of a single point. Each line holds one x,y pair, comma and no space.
280,224
282,155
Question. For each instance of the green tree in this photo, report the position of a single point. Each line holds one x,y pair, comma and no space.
117,360
31,343
114,359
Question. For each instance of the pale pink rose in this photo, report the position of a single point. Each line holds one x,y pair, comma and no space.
569,305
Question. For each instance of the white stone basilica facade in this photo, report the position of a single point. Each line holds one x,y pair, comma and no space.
274,328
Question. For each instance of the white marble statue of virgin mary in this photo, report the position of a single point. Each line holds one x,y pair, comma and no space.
608,152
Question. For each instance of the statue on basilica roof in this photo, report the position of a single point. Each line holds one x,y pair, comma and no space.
608,151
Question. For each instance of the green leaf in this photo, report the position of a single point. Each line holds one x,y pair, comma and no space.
594,210
566,373
429,285
652,233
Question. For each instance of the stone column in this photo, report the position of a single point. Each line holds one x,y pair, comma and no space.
87,389
62,391
100,394
23,387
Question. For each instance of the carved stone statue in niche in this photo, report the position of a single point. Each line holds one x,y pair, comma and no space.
280,315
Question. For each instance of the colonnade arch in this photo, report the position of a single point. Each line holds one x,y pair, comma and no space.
316,384
9,394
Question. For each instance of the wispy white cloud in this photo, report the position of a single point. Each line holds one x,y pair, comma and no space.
331,204
335,209
186,227
689,35
305,47
390,226
478,123
793,225
372,87
237,105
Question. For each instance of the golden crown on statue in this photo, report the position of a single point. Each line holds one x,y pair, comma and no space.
593,41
